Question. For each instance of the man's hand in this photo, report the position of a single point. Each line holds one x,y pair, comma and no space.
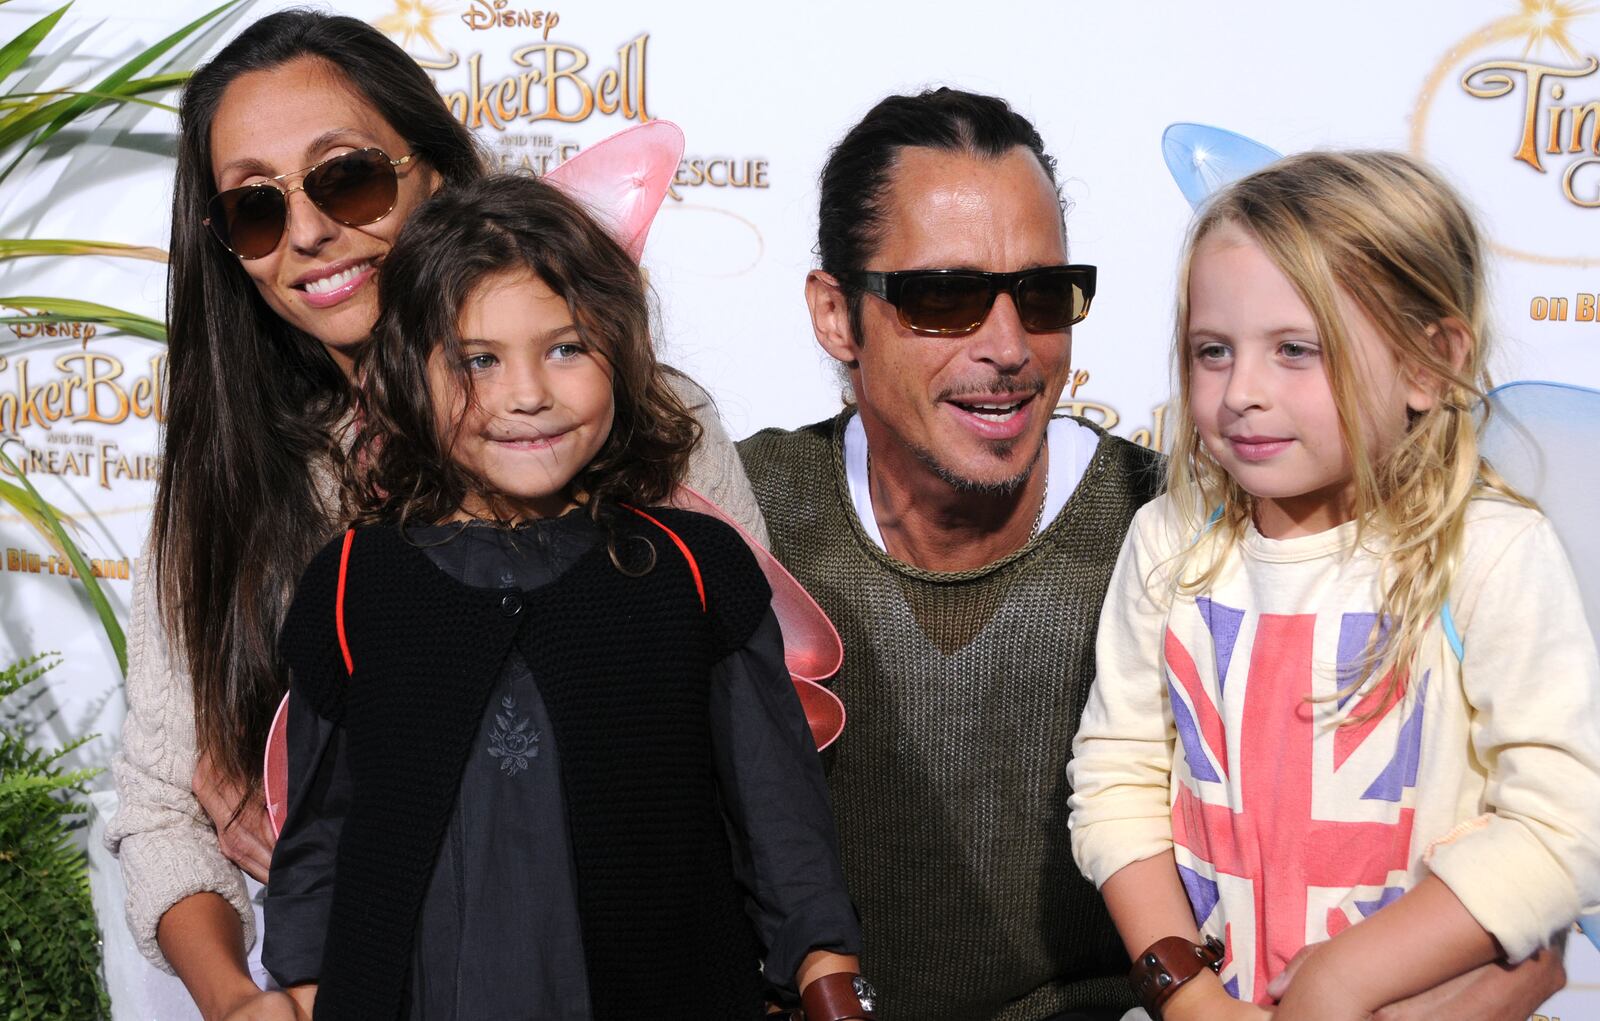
1494,992
247,840
267,1007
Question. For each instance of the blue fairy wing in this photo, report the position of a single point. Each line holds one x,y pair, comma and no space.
1202,158
1542,438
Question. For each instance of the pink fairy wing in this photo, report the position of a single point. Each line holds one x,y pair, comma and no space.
624,178
811,646
275,768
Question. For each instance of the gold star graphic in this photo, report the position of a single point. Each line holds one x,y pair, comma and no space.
1539,22
1535,23
412,20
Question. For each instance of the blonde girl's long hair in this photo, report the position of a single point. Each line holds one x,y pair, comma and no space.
1391,235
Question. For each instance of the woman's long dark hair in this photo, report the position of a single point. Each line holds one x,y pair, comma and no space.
399,469
254,402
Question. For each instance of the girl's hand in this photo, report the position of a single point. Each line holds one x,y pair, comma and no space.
247,840
1204,999
273,1006
1236,1010
1319,1008
1306,992
1280,982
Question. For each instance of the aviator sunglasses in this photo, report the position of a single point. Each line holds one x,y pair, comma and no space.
955,302
355,188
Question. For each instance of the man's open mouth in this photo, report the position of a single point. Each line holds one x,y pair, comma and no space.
994,410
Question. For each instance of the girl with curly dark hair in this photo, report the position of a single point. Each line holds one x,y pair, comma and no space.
545,758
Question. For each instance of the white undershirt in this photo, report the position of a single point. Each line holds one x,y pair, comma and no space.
1071,444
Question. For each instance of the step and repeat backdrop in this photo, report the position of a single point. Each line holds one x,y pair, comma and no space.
1503,95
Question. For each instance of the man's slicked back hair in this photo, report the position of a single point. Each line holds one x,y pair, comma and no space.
855,180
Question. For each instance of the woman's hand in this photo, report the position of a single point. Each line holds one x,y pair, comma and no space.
246,840
264,1006
821,963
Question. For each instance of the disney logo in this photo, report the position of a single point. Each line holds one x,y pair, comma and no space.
486,14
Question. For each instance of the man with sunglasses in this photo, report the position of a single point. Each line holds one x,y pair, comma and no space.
961,536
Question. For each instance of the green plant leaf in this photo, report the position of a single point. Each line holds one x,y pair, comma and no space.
97,595
32,111
17,248
31,512
114,82
14,786
112,97
49,938
20,48
130,92
73,310
27,117
42,111
31,116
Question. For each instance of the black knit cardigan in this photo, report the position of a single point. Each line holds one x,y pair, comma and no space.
623,665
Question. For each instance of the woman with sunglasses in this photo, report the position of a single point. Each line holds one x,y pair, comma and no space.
303,147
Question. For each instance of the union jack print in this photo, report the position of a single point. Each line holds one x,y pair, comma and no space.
1288,826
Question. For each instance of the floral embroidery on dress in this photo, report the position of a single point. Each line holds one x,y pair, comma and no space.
512,742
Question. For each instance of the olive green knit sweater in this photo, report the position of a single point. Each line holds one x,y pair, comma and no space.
963,692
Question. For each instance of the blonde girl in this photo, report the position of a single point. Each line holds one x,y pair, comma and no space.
1346,692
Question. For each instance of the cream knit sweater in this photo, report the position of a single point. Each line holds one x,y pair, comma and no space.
163,837
1213,731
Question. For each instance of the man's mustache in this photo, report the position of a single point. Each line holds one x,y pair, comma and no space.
1030,385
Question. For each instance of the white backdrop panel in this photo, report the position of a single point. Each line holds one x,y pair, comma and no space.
761,94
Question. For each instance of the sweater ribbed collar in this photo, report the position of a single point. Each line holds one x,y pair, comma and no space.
1093,475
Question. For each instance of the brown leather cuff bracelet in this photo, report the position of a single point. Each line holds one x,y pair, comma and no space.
841,996
1167,964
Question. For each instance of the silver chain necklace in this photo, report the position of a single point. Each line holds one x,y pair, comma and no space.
1038,515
